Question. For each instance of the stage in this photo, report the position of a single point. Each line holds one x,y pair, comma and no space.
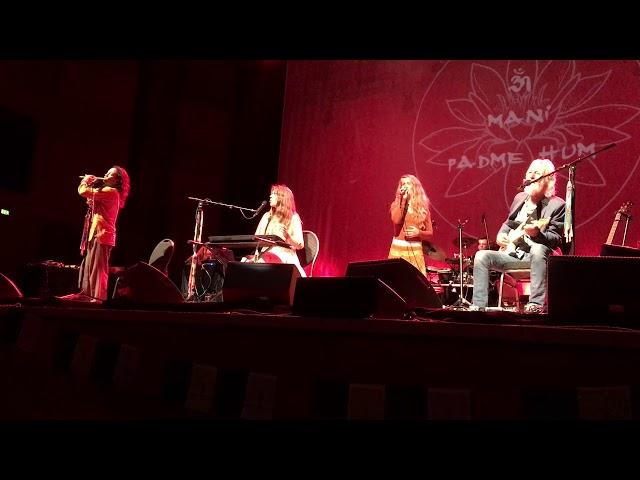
96,362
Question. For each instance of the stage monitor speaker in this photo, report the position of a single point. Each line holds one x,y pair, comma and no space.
404,278
272,283
352,297
50,278
593,290
145,285
9,292
609,250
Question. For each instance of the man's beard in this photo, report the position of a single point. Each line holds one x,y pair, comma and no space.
534,188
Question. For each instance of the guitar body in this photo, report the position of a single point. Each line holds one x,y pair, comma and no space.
515,236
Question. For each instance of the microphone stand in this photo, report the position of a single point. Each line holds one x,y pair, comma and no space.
84,242
461,302
486,230
570,199
572,172
197,238
242,209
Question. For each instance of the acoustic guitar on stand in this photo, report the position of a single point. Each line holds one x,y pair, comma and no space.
625,210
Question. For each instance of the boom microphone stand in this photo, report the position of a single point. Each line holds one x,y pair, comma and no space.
572,183
197,237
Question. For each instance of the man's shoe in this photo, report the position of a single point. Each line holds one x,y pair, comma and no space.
475,308
533,308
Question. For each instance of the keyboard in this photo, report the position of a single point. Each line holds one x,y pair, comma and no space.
246,241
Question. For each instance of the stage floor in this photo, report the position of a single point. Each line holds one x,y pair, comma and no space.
192,363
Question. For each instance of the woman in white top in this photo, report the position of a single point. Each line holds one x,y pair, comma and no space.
283,221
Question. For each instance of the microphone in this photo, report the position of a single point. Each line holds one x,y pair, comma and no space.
261,207
258,210
483,217
525,183
86,175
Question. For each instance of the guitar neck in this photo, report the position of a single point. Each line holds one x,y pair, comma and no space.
614,227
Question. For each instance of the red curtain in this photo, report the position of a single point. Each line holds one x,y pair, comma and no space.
468,130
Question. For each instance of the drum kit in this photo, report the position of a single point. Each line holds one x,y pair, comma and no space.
454,283
447,281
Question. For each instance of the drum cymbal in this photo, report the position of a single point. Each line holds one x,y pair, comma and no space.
466,241
433,251
455,262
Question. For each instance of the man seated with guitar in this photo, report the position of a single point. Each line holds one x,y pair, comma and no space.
532,232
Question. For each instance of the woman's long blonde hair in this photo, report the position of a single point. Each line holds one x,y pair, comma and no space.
418,200
286,206
123,184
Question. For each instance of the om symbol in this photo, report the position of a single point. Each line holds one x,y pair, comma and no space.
519,81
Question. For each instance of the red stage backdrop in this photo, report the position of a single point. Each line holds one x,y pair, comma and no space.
468,130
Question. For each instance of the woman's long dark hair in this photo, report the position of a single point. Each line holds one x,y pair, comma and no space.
123,184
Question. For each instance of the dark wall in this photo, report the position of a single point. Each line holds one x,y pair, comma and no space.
208,129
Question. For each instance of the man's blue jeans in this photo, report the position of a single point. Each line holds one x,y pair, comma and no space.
486,260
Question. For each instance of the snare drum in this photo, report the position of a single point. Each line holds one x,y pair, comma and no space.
467,278
432,275
445,275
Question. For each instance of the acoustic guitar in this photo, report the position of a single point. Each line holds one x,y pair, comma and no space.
625,210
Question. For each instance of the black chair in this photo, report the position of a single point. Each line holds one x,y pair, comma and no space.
309,253
520,272
161,255
159,259
513,274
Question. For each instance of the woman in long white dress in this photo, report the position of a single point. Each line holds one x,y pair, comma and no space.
281,220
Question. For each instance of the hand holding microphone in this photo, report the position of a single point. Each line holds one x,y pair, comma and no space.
90,179
411,233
